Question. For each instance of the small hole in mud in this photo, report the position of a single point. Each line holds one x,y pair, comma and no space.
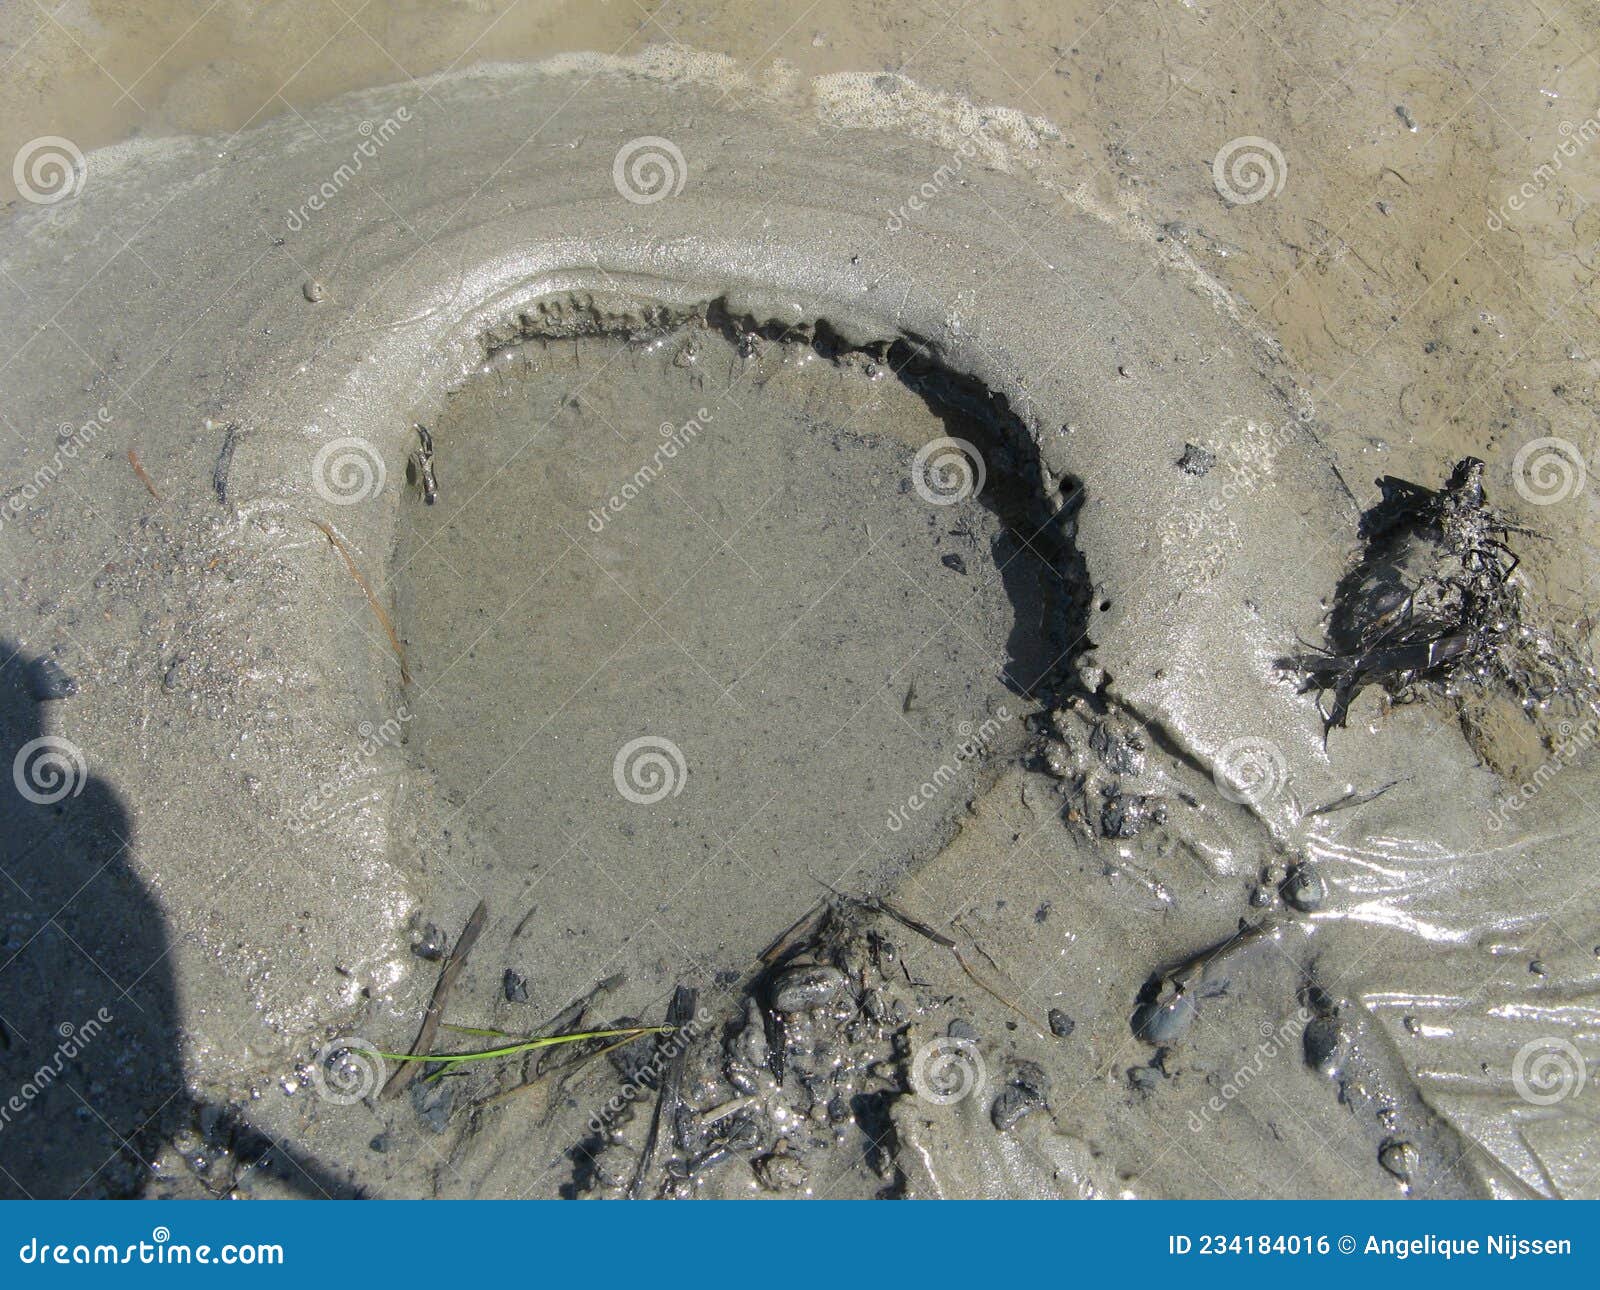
707,618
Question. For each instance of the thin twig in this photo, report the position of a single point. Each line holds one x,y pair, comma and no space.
377,609
939,938
556,1073
219,472
144,475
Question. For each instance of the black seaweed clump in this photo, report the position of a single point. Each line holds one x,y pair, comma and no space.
1432,601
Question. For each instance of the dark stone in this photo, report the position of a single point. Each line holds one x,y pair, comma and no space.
1126,816
1196,460
1061,1025
430,943
515,986
1121,752
1010,1106
1323,1043
433,1100
807,987
1304,889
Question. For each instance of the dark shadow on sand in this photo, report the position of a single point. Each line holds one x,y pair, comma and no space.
91,1079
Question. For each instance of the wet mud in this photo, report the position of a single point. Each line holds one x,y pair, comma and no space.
1157,917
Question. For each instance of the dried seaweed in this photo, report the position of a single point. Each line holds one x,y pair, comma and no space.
1432,601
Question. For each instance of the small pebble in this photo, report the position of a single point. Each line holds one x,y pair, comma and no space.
313,290
515,986
780,1172
433,1102
1010,1106
959,1029
1126,816
1031,1078
1196,460
954,561
1144,1078
1027,1092
1324,1045
430,944
1400,1159
1305,889
1061,1025
806,987
1161,1021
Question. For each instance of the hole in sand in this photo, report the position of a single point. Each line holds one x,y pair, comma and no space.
706,618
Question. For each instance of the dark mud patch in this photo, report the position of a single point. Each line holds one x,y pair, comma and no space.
705,615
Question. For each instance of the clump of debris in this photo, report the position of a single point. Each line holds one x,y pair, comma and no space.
1432,601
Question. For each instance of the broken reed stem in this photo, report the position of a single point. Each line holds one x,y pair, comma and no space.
144,475
366,589
441,993
528,1045
561,1072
